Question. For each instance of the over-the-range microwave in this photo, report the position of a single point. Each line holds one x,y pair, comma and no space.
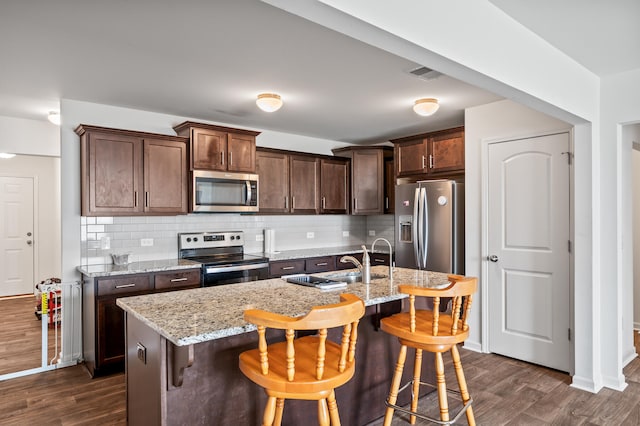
224,192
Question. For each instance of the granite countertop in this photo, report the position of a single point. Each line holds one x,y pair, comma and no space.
192,316
322,251
137,267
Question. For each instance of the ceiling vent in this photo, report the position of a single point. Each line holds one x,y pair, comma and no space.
425,73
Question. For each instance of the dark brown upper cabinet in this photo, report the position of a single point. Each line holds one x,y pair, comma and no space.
435,154
367,178
220,148
132,173
334,186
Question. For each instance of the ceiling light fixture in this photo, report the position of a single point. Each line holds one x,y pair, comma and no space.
6,155
269,102
54,117
426,106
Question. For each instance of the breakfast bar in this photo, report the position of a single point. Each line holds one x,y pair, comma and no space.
183,347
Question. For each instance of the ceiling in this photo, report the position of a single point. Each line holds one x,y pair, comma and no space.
209,59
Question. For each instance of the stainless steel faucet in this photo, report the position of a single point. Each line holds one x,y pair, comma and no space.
390,254
364,267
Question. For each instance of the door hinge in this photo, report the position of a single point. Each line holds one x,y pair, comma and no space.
569,245
569,334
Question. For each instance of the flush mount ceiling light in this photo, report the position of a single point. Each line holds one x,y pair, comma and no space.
6,155
426,106
54,117
269,102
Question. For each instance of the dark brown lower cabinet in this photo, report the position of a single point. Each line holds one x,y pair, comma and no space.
103,327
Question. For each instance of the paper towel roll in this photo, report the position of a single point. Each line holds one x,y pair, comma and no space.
269,240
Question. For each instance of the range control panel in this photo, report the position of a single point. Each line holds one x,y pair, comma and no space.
195,240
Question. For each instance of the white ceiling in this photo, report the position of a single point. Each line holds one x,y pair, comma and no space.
209,59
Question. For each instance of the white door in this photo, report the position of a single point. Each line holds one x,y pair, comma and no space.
16,236
528,243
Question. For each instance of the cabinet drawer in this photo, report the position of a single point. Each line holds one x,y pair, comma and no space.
176,280
286,267
130,284
379,259
320,264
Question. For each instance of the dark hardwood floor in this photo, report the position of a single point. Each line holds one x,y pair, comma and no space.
505,392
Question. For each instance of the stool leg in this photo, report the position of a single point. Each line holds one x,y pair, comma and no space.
464,392
323,413
269,412
395,384
442,388
333,409
279,410
416,384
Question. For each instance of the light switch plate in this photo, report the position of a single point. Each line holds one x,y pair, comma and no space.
259,237
146,242
311,235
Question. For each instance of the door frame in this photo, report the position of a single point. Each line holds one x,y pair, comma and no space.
36,217
484,237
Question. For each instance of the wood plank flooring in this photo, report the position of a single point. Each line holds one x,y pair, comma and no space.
505,392
21,335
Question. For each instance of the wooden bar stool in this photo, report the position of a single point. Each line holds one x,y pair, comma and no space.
437,332
309,367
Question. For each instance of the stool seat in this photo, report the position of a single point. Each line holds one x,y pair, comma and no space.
309,367
433,331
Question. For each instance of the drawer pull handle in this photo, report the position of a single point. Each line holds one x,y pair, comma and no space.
379,260
126,285
176,280
287,268
322,264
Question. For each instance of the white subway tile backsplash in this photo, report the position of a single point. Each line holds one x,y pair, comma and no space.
104,220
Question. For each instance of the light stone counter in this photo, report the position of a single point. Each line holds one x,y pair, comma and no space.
322,251
107,270
199,315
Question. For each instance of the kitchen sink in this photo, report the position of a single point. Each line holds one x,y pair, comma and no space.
352,277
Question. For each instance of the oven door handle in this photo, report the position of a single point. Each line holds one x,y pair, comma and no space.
233,268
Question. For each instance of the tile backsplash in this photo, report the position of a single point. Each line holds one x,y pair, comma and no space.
102,236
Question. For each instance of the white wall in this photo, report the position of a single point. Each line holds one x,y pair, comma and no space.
636,233
31,137
496,121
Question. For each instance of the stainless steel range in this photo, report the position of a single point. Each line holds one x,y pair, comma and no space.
222,257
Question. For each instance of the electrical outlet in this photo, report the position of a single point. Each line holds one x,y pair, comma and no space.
146,242
105,243
259,237
345,233
311,235
372,232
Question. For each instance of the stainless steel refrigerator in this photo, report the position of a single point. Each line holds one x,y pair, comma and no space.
430,226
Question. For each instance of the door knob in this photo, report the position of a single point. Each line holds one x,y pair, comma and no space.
493,258
29,242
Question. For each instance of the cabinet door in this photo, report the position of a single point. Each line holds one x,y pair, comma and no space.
389,187
446,152
241,156
304,184
165,176
367,183
273,174
208,149
113,178
411,157
110,332
334,186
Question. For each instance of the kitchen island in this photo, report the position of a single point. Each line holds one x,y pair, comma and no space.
183,347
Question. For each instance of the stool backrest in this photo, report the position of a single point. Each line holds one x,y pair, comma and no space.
460,291
345,314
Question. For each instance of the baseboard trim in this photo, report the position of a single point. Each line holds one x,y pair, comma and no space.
473,346
584,384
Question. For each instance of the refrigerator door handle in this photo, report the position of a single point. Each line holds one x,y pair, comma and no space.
414,227
425,227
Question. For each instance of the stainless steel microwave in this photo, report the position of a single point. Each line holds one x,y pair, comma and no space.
224,192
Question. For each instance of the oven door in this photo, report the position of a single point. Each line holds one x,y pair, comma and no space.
232,274
224,192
